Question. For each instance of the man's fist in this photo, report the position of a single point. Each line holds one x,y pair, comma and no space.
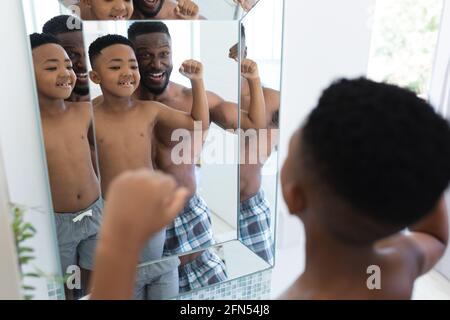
192,70
246,4
187,10
140,203
249,69
234,52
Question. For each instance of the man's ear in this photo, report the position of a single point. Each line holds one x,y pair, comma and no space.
95,77
295,198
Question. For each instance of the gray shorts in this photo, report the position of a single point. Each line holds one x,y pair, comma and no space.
157,281
77,235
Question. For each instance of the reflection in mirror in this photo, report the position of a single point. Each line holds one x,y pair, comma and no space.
232,260
150,107
261,40
66,119
160,9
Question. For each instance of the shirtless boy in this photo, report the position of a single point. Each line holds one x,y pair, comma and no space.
192,229
68,138
125,126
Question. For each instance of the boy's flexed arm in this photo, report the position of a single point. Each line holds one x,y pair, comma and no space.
176,119
425,242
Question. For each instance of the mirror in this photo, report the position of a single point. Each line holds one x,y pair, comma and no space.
121,95
261,41
160,9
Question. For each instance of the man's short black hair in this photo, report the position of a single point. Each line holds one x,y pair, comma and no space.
104,42
39,39
62,24
140,28
379,148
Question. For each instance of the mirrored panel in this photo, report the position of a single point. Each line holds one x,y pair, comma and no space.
218,264
261,43
160,9
66,117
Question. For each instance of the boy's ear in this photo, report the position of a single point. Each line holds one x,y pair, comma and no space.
294,198
95,77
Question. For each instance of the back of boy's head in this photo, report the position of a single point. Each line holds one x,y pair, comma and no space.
62,24
140,28
40,39
379,150
104,42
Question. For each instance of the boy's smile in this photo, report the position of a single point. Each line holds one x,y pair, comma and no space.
112,10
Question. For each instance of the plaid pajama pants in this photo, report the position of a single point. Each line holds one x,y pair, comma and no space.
192,230
254,226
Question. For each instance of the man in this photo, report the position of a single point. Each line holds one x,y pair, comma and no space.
165,10
192,228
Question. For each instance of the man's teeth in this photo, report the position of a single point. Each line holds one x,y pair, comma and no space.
82,75
157,75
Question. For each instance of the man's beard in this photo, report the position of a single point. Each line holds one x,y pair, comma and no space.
157,90
145,11
81,91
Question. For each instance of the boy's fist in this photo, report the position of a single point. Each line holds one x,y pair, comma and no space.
192,69
140,203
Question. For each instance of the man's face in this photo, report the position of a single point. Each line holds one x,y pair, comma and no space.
73,43
117,70
111,9
54,74
149,8
154,54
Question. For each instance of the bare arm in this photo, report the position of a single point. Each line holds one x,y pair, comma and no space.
139,204
200,113
256,117
426,241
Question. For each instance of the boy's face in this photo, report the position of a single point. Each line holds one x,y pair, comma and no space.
117,70
73,43
111,9
154,53
54,74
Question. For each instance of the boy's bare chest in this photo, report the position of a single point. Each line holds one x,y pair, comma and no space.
62,135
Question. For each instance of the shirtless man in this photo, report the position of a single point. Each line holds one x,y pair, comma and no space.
125,126
192,229
165,10
71,39
68,138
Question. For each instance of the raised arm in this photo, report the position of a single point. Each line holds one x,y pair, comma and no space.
175,119
425,242
256,116
138,205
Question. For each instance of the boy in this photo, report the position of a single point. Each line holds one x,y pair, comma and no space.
66,128
69,31
371,160
124,125
106,10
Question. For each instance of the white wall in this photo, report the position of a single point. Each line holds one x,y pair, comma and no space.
323,40
20,137
437,91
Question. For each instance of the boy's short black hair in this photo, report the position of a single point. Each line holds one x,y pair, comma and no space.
140,28
39,39
62,24
104,42
379,148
